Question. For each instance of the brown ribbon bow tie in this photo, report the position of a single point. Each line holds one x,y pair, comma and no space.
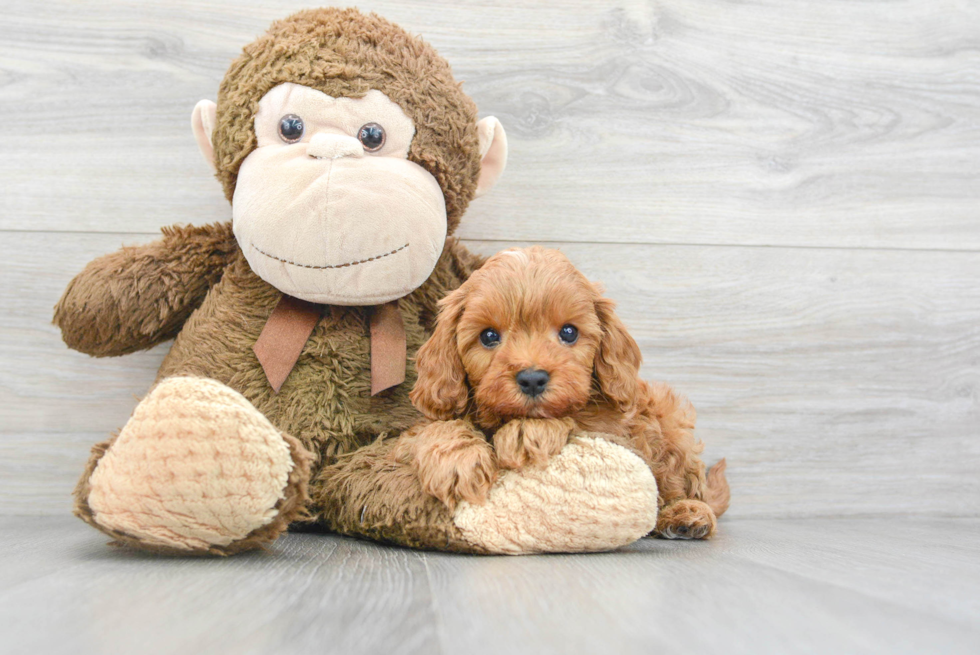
291,324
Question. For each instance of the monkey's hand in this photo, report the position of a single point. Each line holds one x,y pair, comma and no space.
453,461
531,441
140,296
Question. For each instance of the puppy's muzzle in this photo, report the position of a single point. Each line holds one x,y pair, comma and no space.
532,382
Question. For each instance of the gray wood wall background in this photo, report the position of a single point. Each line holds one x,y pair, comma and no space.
781,194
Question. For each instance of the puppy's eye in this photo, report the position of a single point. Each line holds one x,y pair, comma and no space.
291,128
489,338
568,334
371,136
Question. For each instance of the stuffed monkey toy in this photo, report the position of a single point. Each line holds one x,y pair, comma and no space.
349,154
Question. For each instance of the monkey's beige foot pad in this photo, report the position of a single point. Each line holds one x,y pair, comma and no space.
593,496
196,469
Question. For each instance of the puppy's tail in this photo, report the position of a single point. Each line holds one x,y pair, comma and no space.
716,493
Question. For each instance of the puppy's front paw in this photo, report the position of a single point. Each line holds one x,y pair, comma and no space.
531,441
457,464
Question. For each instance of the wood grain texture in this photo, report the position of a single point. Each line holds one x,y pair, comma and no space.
836,382
851,585
772,122
758,588
312,594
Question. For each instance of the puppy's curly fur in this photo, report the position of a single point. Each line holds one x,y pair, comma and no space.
470,390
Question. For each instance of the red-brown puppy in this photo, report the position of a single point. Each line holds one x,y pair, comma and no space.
526,352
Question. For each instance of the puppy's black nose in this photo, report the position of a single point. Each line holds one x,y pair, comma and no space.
532,381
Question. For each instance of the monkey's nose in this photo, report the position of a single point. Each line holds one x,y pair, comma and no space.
334,146
532,381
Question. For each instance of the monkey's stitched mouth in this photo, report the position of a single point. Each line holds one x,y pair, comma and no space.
328,266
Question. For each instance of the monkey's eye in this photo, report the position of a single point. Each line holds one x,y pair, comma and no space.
568,334
291,128
489,338
371,136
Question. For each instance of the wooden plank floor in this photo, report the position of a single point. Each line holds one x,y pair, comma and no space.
763,586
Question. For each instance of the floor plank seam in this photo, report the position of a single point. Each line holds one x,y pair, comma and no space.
553,242
918,610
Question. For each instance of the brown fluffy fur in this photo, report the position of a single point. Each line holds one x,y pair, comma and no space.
140,296
594,386
195,284
345,53
452,459
530,441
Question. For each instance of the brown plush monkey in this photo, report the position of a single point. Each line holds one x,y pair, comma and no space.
349,154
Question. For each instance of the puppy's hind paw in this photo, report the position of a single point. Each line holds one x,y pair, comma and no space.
686,519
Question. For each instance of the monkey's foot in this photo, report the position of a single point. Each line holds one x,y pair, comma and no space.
593,496
196,470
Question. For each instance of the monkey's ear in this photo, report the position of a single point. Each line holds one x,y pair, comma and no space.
493,153
202,122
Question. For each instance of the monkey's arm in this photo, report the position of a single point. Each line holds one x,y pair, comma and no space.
140,296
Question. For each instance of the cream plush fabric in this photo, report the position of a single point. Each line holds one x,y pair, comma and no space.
197,465
323,219
592,496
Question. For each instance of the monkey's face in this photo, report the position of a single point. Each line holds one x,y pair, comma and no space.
328,207
346,177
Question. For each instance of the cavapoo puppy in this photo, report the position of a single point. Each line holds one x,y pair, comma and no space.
527,353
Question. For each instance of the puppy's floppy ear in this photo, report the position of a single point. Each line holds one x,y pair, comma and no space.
441,392
617,362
